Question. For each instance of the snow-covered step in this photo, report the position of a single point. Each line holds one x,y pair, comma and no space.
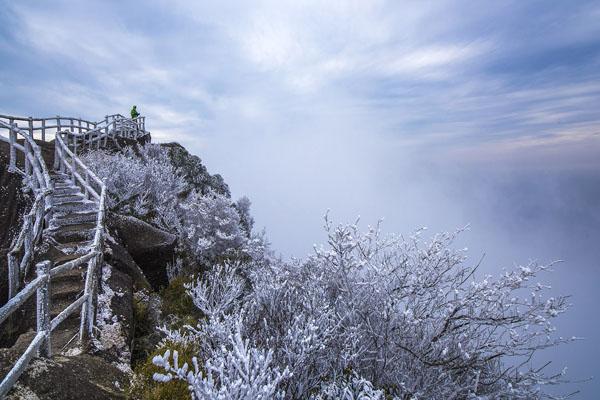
66,190
74,218
67,198
70,206
66,289
74,233
75,247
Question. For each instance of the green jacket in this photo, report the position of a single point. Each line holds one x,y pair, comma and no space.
134,113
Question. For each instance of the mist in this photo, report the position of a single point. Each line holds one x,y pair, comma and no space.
515,212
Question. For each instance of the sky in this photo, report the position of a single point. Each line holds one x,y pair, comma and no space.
440,114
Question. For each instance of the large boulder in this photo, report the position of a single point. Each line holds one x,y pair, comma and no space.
151,248
114,319
64,378
117,256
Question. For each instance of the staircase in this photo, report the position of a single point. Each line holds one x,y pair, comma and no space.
71,231
73,222
68,213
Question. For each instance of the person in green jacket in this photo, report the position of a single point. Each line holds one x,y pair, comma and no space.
134,112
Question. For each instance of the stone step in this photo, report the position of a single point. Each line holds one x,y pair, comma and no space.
61,337
62,182
75,247
72,320
66,190
74,233
60,177
74,218
68,198
72,275
66,290
75,206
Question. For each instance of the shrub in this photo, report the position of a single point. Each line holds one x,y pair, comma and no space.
144,387
405,315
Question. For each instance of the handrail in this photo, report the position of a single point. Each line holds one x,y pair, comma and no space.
38,180
50,125
35,170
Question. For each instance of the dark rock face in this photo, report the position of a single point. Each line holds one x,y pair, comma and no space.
78,377
194,172
151,248
114,320
15,203
122,304
117,256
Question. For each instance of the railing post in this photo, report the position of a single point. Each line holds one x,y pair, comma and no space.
56,165
43,308
74,144
79,125
106,132
73,170
72,127
27,152
88,308
58,127
43,130
31,127
48,207
13,150
28,247
13,275
87,184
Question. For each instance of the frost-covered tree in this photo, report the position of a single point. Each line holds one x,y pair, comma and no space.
212,225
369,313
156,183
142,182
243,208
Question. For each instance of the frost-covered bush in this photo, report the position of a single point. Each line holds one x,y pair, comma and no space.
369,313
155,183
212,225
350,388
237,371
143,183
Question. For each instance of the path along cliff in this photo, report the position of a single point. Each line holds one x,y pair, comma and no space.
100,370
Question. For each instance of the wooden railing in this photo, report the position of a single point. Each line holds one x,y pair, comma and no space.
70,135
37,179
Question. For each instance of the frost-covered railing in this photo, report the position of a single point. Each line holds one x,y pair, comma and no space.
94,188
111,126
77,133
71,133
31,165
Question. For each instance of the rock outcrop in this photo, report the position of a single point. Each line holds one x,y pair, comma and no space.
151,248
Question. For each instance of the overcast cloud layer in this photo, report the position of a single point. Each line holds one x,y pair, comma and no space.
436,114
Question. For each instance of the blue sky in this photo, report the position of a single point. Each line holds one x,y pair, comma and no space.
436,114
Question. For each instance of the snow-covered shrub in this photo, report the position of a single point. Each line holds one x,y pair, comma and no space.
405,315
216,293
155,183
350,388
211,225
144,184
174,269
237,371
243,208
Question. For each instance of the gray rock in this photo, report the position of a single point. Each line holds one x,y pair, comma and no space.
117,256
151,248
